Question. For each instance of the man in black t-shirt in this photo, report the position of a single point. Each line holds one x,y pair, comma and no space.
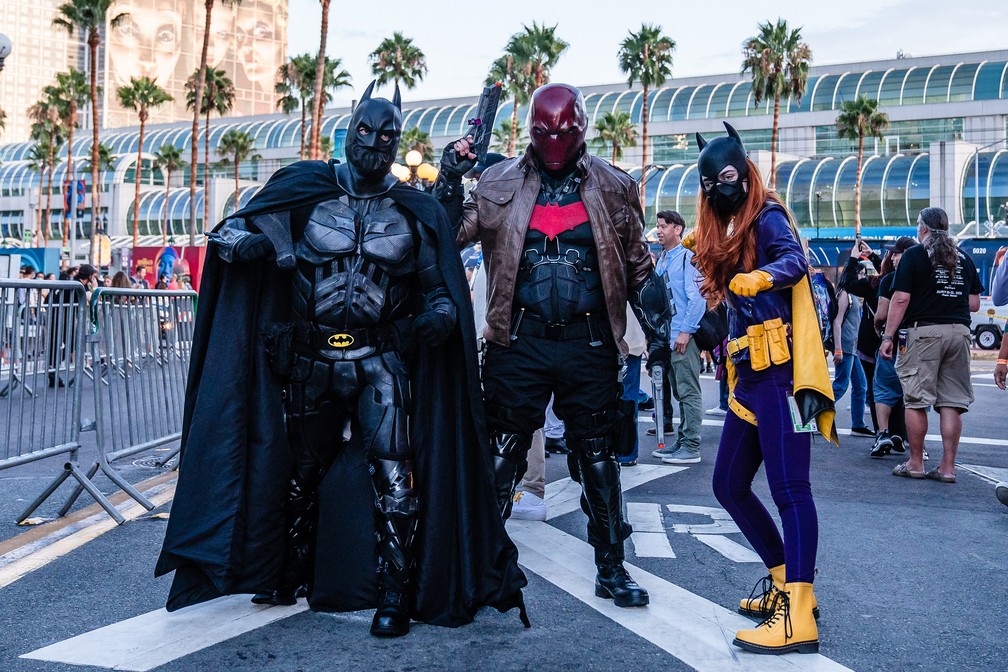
936,288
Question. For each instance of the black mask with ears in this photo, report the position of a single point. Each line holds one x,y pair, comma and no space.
372,139
725,197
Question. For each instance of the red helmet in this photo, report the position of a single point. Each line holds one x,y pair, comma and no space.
558,125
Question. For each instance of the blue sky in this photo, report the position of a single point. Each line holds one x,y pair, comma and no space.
462,39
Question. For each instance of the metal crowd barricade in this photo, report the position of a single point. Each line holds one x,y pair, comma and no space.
42,360
140,343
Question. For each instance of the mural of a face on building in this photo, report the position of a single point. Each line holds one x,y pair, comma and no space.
258,29
148,40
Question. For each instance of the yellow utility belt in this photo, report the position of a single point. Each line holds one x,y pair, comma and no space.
767,344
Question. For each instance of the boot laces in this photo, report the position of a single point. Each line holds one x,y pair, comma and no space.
764,587
780,607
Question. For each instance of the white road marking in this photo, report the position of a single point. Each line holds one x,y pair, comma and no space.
992,474
732,550
649,537
689,627
564,496
158,637
30,557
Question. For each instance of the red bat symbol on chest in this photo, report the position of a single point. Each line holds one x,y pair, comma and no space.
552,220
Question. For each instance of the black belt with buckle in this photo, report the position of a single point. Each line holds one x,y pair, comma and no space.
322,338
590,326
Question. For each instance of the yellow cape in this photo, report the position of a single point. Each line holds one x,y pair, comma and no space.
813,390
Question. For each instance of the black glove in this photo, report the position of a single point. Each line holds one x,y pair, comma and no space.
659,354
251,248
453,167
433,327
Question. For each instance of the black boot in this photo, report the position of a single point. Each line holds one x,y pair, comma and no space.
614,582
300,513
397,508
510,460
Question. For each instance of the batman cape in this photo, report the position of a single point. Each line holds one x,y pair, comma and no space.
226,531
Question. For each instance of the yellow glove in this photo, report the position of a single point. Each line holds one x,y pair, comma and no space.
689,242
750,284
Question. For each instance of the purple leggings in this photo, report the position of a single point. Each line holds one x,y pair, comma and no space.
786,455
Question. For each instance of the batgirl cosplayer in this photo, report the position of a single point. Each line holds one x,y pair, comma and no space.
749,255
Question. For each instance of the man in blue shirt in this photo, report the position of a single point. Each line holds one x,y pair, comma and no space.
688,307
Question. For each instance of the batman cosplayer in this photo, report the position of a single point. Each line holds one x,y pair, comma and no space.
332,393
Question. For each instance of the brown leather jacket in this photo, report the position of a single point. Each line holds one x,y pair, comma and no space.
497,214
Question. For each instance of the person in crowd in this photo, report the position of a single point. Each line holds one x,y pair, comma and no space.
888,391
553,433
721,375
847,365
636,346
865,287
999,296
675,265
748,254
140,278
936,288
561,268
121,281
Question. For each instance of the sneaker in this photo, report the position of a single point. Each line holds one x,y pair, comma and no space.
883,444
653,431
1001,492
646,405
630,463
682,456
862,431
662,453
897,444
717,410
926,456
528,507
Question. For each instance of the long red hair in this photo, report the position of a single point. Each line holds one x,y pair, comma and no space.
720,253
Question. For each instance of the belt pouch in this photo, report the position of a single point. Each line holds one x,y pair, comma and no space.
777,342
759,357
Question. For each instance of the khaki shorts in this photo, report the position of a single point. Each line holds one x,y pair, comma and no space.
935,368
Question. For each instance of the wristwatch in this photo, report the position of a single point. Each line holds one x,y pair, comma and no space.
886,337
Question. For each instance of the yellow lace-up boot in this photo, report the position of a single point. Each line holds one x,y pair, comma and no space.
761,598
791,626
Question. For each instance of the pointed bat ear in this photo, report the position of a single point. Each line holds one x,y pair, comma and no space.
396,99
701,143
732,133
368,90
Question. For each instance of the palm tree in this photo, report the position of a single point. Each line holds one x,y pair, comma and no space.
318,104
90,16
646,57
398,60
506,71
169,159
41,157
617,130
325,147
197,109
218,96
46,127
416,139
141,95
506,136
3,120
858,119
236,146
67,95
296,84
537,49
778,62
106,161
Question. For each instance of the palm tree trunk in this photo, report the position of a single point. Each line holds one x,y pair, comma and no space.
538,75
236,164
167,195
200,82
643,184
773,143
93,40
71,181
615,152
304,113
513,142
857,187
136,191
206,172
48,200
317,103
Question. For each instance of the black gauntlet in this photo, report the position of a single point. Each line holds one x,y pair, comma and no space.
235,243
650,303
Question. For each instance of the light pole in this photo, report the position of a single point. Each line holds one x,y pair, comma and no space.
5,49
413,160
818,198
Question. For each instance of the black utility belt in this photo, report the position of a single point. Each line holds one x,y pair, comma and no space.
593,327
322,338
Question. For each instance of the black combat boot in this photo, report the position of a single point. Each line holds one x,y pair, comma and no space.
301,511
614,582
510,460
397,509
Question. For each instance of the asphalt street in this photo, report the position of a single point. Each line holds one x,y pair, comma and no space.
911,575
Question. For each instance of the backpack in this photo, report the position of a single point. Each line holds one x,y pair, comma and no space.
824,300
